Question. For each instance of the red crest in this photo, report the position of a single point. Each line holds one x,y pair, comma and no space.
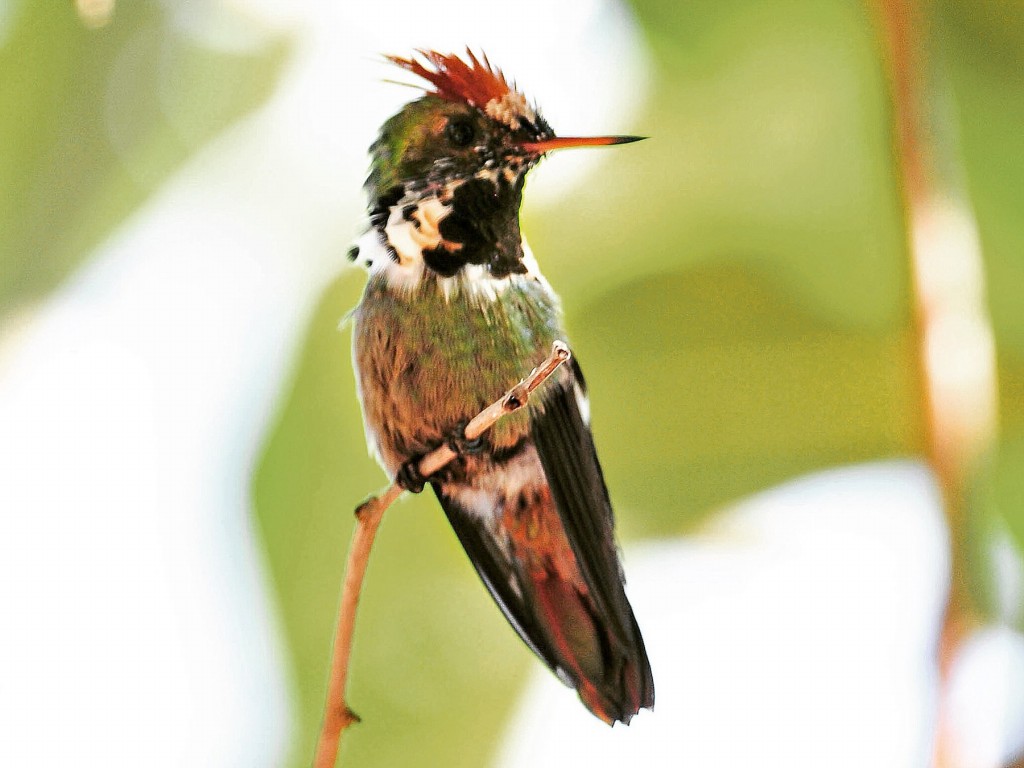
474,82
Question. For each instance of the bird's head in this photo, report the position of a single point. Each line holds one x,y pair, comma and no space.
471,122
447,171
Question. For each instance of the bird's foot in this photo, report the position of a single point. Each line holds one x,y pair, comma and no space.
412,480
410,477
458,442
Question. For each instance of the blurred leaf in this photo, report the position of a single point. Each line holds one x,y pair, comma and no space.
1007,475
712,384
93,121
983,43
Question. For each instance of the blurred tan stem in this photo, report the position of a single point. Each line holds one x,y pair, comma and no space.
337,714
956,350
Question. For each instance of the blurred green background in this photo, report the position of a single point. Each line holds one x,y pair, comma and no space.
736,289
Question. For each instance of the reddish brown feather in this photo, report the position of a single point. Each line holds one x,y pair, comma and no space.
539,543
474,82
570,628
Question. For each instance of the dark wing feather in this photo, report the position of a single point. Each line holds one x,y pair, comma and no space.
499,576
581,626
566,449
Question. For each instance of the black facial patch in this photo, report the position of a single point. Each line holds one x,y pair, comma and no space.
484,220
381,210
446,263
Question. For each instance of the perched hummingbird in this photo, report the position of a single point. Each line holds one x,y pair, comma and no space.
456,312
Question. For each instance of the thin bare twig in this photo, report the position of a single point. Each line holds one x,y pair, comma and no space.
956,350
337,714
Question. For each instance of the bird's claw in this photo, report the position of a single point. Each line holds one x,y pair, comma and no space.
459,444
410,477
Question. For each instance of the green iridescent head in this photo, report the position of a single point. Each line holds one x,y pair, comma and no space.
471,120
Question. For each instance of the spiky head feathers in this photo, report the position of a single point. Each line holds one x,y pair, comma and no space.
475,83
470,119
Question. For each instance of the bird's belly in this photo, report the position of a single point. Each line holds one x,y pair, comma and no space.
428,364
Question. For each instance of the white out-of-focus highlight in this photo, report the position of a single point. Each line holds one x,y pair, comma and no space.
985,700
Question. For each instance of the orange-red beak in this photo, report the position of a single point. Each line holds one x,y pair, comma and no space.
565,142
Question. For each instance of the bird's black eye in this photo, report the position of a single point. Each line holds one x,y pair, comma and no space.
460,132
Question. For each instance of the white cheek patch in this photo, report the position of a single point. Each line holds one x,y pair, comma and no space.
401,259
378,259
410,238
371,253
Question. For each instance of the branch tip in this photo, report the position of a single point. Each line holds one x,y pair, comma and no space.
365,508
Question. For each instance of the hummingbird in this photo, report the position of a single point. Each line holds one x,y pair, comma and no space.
454,313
